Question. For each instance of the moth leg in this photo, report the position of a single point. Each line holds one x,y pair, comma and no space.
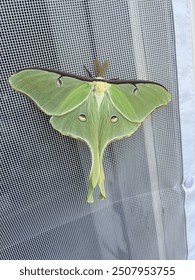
89,73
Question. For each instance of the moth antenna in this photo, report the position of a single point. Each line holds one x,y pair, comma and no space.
104,68
97,67
100,70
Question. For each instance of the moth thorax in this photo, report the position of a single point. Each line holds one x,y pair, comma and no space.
100,87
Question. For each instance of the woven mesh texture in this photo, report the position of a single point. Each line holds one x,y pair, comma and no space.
44,213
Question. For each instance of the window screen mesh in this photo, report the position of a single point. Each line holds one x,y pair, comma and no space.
44,213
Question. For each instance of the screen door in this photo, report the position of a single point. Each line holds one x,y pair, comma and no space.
45,175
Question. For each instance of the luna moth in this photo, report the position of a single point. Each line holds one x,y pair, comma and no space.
94,110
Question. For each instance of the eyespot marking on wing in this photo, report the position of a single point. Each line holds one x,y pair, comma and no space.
82,118
59,81
135,90
114,119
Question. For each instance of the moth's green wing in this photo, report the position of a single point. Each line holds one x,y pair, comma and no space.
58,95
70,124
136,103
52,95
97,131
98,117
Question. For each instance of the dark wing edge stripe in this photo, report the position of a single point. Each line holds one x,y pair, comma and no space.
134,82
89,79
61,73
